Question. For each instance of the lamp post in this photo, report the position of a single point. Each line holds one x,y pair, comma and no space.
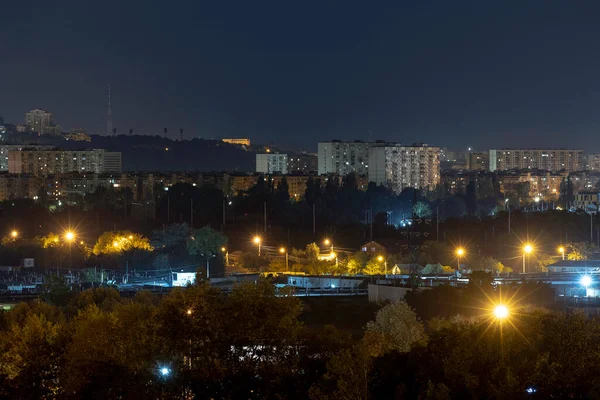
561,250
284,250
459,253
328,242
208,257
224,250
70,237
381,259
257,241
526,250
14,234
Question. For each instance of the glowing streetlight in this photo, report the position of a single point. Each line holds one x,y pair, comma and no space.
586,280
224,250
189,311
70,236
328,242
257,241
501,312
116,244
14,234
526,250
561,250
130,237
283,250
164,371
382,259
459,253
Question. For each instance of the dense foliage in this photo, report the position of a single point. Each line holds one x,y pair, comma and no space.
200,343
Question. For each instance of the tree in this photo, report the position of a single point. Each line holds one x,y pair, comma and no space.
50,240
433,269
313,191
206,243
422,210
312,252
543,260
30,357
523,189
491,264
398,325
115,242
282,194
374,267
580,251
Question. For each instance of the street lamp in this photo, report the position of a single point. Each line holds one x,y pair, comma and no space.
586,280
381,259
283,250
224,250
328,242
501,312
459,253
14,234
257,241
70,236
561,250
526,250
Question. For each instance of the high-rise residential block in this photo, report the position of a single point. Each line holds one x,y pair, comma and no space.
477,161
592,162
272,163
5,148
40,121
302,163
113,162
548,160
399,167
50,162
342,158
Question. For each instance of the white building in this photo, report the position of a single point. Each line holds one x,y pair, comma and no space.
548,160
272,163
51,162
341,158
399,167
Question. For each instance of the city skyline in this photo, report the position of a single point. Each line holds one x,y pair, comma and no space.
476,74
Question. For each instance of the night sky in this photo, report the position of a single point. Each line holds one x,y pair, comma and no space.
448,73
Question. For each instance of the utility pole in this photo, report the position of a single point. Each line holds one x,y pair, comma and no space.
314,219
591,228
437,223
371,221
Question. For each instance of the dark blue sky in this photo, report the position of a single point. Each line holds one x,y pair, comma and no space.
449,73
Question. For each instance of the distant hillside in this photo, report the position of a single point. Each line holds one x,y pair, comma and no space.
148,153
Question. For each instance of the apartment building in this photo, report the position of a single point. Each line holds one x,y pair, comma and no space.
399,167
51,162
548,160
